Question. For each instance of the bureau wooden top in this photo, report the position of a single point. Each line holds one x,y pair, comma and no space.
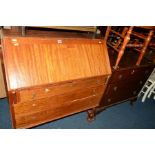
31,61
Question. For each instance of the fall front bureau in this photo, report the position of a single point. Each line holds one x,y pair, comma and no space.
50,78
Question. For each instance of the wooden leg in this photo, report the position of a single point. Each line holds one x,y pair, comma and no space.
121,51
147,40
91,115
107,33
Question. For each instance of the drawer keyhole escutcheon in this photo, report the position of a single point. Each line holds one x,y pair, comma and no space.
33,96
94,92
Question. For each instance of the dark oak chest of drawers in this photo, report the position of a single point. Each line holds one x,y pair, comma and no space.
48,79
125,84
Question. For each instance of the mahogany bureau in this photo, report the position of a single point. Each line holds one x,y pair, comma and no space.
50,78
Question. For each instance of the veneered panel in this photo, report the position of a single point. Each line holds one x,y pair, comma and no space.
36,61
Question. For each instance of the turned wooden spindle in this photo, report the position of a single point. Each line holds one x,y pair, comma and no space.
121,51
107,33
123,34
146,43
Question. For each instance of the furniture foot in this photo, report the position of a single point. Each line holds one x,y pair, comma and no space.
91,115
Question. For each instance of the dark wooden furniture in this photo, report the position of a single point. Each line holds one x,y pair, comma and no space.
128,37
50,78
125,84
128,76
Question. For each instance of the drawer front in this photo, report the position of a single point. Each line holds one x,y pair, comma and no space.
122,91
119,75
144,72
52,113
135,73
47,91
56,101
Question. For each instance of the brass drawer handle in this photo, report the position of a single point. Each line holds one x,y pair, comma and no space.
132,72
115,88
59,41
120,76
141,82
109,99
94,92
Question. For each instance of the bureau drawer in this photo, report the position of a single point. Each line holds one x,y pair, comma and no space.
57,89
56,101
45,115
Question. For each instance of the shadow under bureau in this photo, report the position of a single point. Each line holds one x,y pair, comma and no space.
50,78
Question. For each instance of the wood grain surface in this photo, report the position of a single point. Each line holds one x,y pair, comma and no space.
31,61
33,93
2,85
